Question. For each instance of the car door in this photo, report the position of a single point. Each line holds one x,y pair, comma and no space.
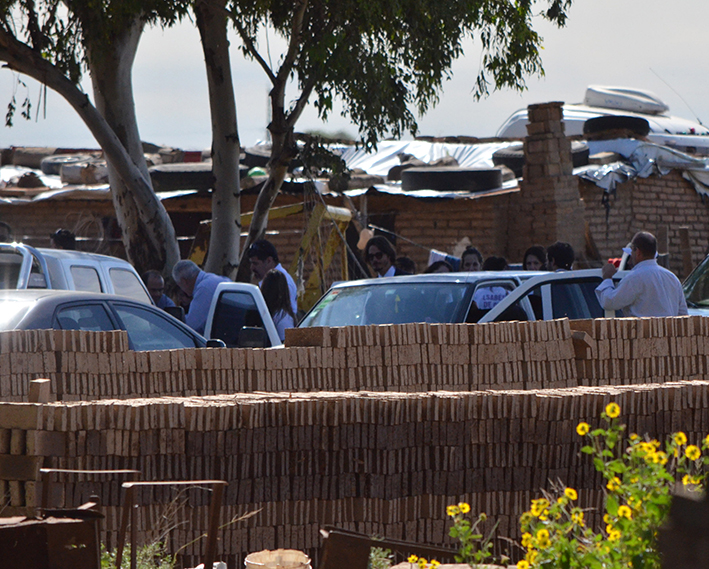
568,294
239,317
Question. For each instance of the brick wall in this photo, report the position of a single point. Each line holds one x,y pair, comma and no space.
408,357
648,204
441,224
381,463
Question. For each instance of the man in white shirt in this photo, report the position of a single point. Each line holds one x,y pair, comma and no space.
648,289
263,257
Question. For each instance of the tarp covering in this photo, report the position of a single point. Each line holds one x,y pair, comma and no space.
644,159
387,154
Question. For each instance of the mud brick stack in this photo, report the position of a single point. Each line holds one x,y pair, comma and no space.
379,462
623,351
431,357
77,362
374,429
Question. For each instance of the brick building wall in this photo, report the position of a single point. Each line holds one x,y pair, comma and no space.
648,204
441,224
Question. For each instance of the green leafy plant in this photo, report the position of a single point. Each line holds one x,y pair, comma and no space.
640,474
380,558
150,556
473,550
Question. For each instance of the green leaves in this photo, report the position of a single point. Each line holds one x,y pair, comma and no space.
388,60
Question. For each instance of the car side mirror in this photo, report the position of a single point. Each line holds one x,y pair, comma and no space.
216,343
176,312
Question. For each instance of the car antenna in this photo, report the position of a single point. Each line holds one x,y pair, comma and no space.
691,110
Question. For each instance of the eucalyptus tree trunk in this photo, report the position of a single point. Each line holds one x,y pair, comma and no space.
283,151
147,231
224,240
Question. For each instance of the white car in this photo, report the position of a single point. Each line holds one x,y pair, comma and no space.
460,297
25,267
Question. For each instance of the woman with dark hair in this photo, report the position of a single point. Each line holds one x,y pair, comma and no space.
274,289
439,267
534,259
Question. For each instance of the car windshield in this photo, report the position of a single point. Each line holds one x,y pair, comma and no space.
696,287
392,304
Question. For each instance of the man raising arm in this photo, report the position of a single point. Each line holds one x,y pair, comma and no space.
647,290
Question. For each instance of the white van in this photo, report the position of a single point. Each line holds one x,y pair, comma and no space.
22,266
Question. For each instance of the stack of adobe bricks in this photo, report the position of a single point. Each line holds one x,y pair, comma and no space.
378,462
623,351
405,357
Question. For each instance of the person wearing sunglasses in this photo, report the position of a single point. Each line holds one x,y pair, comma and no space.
381,256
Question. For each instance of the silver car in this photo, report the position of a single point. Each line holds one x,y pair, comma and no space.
148,328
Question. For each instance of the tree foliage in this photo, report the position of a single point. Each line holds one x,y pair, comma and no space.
387,60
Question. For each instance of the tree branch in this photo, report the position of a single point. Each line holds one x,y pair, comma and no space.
251,47
294,45
23,59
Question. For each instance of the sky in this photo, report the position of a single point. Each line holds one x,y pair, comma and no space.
644,44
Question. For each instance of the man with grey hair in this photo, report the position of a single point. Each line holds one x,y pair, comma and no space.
200,286
648,289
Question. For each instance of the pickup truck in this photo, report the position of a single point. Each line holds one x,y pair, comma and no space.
26,267
240,318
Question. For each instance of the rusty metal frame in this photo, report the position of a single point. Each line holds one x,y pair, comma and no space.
215,505
46,472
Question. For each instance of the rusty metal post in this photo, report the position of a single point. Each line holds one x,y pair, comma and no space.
214,510
215,506
127,505
133,535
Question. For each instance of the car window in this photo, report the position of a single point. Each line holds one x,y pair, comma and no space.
37,277
392,304
126,283
89,317
85,278
149,330
576,299
10,265
235,311
696,287
486,296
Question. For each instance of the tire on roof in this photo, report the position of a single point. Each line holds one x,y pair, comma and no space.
451,179
636,125
52,165
513,156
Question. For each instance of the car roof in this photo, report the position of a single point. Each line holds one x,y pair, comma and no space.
66,254
60,295
459,277
78,255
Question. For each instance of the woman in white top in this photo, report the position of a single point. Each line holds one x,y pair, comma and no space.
274,288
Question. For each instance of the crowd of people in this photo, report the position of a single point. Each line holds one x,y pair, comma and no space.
647,290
